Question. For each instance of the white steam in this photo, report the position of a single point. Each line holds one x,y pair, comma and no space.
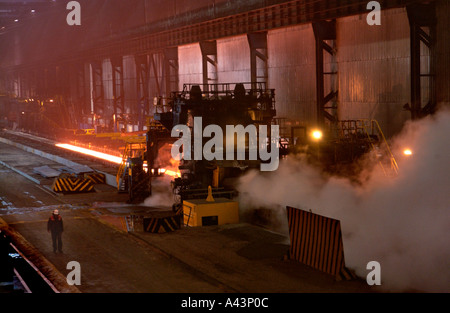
162,195
401,222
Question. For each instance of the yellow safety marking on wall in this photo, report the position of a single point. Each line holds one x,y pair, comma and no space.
73,185
317,242
162,224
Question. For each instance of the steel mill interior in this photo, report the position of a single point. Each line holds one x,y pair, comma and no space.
221,146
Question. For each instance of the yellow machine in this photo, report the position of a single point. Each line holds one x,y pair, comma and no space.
210,211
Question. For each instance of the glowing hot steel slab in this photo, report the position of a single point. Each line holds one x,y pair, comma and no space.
107,157
172,173
100,155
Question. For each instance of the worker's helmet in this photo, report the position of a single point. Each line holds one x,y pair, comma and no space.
56,212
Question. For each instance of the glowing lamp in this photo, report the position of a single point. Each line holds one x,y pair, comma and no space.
316,134
407,152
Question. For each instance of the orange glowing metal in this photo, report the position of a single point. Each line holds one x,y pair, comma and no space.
107,157
100,155
172,173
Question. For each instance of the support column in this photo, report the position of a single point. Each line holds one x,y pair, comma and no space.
156,70
422,21
326,31
117,86
3,83
97,88
39,82
33,83
258,58
80,90
60,79
22,84
171,70
209,63
46,83
62,97
142,79
163,75
16,84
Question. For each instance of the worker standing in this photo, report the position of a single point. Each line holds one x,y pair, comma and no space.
55,227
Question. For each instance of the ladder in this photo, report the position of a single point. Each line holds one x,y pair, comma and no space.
120,177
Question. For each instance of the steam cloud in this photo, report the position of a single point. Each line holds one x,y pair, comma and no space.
162,195
402,222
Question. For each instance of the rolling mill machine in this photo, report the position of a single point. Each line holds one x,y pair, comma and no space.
335,148
199,185
219,104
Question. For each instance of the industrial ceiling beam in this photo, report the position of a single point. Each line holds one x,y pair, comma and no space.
155,37
271,17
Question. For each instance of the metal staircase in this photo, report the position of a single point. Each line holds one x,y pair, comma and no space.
386,160
134,147
121,173
367,133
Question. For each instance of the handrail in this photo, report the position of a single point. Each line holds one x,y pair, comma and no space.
129,146
374,125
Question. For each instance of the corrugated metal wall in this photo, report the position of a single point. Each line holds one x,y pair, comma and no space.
373,64
292,71
129,85
373,68
291,67
233,56
129,82
190,64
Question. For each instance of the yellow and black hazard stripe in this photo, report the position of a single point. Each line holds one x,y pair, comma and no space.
317,242
73,185
162,224
97,178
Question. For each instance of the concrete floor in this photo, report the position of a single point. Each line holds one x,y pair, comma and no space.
228,258
213,259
